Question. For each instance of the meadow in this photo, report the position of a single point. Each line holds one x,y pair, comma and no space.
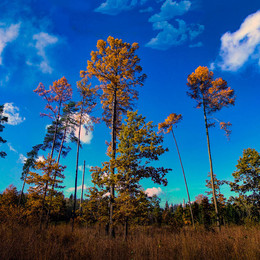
58,242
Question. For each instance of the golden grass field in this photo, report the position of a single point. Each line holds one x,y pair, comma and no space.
237,242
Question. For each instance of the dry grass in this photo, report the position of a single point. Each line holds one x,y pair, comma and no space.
17,242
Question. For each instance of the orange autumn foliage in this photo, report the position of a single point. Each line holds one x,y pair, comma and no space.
116,66
213,94
166,126
225,126
210,94
60,92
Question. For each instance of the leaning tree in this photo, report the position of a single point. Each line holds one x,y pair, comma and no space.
166,127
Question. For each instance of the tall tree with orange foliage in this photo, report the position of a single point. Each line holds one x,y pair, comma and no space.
210,95
56,96
166,127
117,68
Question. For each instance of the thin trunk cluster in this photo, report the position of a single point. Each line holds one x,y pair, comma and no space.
76,175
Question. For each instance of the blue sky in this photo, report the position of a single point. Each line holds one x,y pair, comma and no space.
42,41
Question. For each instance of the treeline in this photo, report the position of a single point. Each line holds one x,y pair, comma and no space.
148,211
117,197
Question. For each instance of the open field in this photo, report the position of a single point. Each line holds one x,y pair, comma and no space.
17,242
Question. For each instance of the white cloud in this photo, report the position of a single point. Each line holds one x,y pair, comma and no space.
212,66
7,34
12,112
78,188
171,36
239,47
40,159
11,148
86,135
22,158
170,9
87,167
47,126
153,191
43,40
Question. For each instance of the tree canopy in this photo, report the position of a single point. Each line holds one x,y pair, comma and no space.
247,176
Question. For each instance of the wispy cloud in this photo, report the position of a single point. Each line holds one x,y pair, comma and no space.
5,78
43,41
12,112
173,36
22,158
114,7
78,188
239,47
175,189
170,9
87,167
11,148
196,45
7,35
146,10
153,191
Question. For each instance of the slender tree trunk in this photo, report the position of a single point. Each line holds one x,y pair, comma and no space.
192,218
54,179
112,187
82,187
21,195
76,175
52,151
211,168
